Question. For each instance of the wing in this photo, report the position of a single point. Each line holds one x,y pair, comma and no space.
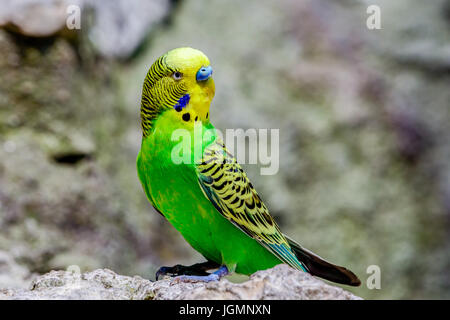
226,185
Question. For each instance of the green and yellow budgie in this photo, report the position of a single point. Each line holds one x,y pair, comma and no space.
209,200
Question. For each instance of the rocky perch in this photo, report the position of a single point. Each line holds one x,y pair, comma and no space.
280,282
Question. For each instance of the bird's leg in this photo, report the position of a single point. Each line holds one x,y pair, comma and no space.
215,276
198,269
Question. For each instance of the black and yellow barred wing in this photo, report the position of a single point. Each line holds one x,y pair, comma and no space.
226,185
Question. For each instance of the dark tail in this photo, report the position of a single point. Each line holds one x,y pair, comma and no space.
321,268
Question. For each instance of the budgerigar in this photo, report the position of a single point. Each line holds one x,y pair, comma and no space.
210,199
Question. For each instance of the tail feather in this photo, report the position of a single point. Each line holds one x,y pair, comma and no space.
321,268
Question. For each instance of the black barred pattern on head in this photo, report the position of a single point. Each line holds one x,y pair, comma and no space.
159,92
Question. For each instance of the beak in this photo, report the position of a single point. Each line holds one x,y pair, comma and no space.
204,73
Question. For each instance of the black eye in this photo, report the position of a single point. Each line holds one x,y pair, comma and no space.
177,75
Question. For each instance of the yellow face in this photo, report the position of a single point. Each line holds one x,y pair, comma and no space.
179,82
195,73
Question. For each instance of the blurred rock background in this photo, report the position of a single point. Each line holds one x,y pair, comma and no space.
363,115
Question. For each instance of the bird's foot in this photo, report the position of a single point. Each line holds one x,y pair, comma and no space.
198,269
215,276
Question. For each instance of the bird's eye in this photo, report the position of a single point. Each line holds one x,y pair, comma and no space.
177,75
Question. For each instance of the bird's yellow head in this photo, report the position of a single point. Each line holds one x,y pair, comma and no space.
179,82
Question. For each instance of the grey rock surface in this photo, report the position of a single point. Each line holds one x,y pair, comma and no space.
12,274
116,27
280,282
121,25
27,16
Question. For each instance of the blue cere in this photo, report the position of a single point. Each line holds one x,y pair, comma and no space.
182,103
204,73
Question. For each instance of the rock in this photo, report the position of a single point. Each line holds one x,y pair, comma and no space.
121,26
27,16
280,282
12,275
118,27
